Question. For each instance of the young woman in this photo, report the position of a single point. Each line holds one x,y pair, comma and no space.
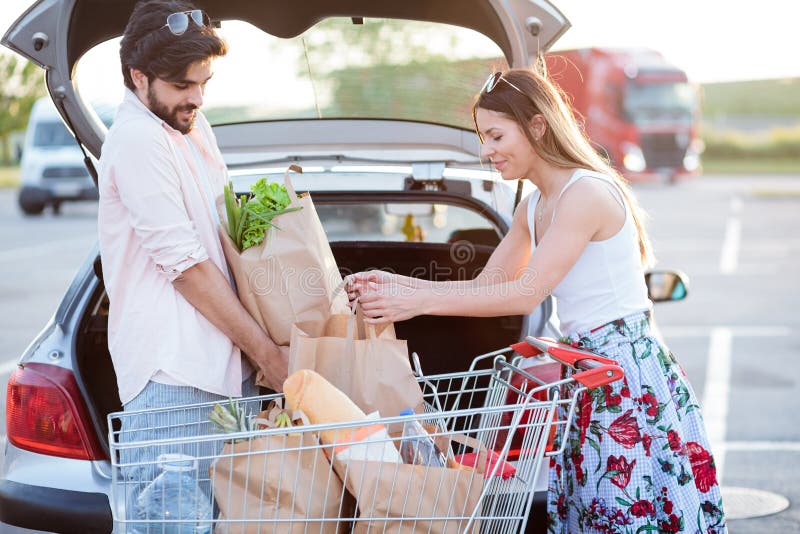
636,458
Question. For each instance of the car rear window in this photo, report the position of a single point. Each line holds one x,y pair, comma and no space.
52,134
392,69
404,222
371,219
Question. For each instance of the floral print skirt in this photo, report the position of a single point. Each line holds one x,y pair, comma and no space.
637,459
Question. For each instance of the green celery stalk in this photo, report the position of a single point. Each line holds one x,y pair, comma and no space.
230,204
243,214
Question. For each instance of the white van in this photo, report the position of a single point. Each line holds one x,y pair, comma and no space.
52,169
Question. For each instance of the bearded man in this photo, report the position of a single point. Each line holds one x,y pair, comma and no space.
176,328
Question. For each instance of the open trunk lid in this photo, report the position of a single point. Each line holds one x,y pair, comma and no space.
55,34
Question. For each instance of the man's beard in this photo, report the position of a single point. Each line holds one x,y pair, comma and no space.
170,116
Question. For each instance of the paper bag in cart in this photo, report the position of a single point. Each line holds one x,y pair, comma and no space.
280,477
369,365
392,497
291,277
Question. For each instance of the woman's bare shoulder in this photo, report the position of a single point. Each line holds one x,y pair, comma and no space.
592,190
597,203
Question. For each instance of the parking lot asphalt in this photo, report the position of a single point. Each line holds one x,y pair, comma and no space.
738,240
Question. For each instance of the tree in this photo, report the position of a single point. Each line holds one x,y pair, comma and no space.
395,68
21,84
434,90
338,41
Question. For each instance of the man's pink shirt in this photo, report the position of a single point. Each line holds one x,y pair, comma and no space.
154,222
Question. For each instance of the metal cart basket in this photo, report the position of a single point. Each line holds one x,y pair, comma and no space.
196,479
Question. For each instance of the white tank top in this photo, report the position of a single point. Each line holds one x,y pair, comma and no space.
607,282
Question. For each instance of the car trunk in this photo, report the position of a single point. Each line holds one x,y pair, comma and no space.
444,344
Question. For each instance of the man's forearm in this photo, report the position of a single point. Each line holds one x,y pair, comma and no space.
207,289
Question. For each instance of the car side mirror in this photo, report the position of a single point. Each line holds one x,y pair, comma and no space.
665,286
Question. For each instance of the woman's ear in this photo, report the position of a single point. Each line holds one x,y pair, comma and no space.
538,126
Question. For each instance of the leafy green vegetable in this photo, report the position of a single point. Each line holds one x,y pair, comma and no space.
271,195
249,219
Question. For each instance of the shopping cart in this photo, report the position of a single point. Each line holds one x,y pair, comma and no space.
287,480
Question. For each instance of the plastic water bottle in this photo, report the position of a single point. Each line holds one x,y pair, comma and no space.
417,447
174,495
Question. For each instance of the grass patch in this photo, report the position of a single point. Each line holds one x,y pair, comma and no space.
756,97
751,166
779,143
773,194
9,177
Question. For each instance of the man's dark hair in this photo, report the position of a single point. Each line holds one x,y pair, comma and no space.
151,48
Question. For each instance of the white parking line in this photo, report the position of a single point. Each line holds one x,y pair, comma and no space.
716,393
736,205
729,259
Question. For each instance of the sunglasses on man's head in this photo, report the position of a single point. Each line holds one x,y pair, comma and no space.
178,22
492,81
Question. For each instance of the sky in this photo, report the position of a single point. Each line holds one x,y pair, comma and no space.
712,40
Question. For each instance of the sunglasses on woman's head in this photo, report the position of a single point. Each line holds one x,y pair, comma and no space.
492,81
178,22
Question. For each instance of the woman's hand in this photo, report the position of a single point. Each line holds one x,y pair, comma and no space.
390,302
356,284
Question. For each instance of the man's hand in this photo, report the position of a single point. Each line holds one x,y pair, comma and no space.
275,363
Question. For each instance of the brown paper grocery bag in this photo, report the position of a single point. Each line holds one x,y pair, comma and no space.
390,497
279,477
291,277
369,365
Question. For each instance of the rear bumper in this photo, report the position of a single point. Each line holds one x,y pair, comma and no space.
54,510
55,191
67,512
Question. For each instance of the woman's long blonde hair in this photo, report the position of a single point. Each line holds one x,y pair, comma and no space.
564,143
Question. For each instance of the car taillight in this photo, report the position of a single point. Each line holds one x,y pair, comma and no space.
46,414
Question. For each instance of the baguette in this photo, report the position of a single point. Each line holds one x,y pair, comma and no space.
323,403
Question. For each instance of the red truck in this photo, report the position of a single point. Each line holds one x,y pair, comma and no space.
638,108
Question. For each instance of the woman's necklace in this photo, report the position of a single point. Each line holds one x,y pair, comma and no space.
540,215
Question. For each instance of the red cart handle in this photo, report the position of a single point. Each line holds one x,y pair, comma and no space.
595,370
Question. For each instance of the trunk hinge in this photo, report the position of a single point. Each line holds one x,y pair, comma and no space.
87,161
